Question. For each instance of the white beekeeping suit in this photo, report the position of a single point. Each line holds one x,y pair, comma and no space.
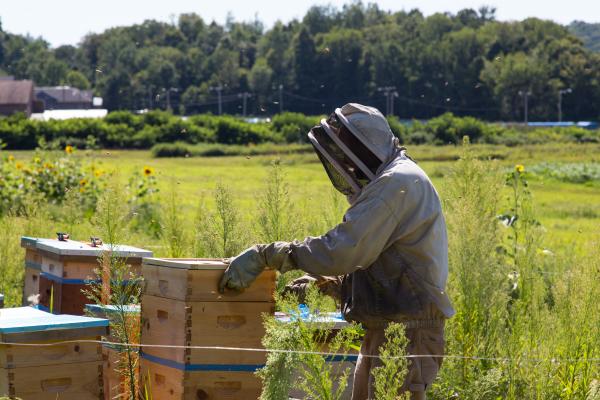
390,252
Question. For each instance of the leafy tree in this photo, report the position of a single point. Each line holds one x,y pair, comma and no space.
76,79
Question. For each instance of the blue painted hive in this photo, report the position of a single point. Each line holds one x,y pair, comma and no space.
61,269
46,356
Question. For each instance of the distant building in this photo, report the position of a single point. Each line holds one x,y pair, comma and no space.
69,114
16,96
65,98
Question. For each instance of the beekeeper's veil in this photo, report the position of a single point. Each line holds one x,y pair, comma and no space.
353,143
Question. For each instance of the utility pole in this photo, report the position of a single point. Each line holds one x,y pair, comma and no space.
245,96
389,92
280,98
218,89
560,95
169,97
525,95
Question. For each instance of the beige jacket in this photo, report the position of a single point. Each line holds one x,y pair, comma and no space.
391,247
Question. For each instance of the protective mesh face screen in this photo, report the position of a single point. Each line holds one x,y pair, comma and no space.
338,181
358,148
340,157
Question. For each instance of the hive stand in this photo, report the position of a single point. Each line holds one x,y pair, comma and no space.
68,371
181,307
61,269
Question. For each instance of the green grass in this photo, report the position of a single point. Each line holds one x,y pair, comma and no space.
567,210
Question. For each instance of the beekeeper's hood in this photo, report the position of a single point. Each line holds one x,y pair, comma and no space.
353,143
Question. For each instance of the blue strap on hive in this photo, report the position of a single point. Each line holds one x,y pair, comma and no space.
58,279
202,367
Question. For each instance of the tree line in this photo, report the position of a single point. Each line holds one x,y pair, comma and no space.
467,63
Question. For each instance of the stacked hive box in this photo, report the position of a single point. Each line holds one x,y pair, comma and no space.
115,383
67,371
181,307
61,269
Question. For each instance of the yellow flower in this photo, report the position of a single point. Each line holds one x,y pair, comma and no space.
520,168
148,171
37,160
48,165
11,157
83,182
98,173
69,149
18,165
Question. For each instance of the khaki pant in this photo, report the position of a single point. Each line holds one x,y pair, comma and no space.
426,337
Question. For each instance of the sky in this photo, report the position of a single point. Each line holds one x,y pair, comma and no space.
67,21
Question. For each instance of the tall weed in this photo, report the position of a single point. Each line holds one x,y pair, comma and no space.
173,231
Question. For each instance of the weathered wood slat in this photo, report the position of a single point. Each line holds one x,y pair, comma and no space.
78,381
198,279
226,324
174,384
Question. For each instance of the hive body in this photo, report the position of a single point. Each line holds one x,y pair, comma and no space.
59,270
181,307
67,371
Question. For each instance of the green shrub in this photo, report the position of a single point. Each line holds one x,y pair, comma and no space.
293,126
398,129
123,129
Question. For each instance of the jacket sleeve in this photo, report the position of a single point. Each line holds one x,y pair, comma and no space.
354,244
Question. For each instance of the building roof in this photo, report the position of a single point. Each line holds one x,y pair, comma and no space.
65,94
15,92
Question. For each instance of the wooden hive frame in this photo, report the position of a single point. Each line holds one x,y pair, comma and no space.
66,268
50,369
182,307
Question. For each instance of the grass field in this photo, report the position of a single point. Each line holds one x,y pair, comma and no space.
526,294
566,210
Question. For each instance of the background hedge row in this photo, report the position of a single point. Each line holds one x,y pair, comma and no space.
122,129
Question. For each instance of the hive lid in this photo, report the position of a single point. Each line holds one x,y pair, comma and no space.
75,248
99,309
186,263
30,319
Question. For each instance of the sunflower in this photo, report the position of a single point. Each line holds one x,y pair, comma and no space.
18,165
11,157
83,182
520,168
69,149
148,171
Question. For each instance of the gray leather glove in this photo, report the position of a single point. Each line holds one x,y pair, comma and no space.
328,285
244,268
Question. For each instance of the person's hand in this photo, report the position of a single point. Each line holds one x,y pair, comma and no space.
299,286
328,285
242,270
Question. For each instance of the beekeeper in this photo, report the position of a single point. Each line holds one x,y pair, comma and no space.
387,259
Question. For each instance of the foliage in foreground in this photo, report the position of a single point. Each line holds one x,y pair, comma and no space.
294,361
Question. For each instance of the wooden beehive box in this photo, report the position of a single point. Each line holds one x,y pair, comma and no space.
61,269
172,382
193,279
115,385
182,307
67,371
